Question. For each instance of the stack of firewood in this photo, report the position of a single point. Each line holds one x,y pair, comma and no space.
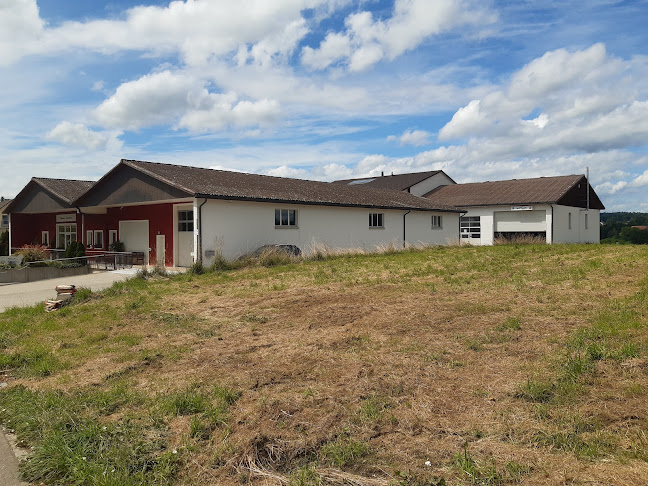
64,294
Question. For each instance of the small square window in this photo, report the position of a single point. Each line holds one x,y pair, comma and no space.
436,222
376,220
185,220
285,218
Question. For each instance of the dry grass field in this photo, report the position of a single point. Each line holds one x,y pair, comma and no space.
513,364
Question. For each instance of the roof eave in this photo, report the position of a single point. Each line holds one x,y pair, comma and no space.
322,203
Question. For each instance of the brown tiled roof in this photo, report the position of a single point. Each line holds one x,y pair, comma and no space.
4,203
398,182
541,190
222,184
65,189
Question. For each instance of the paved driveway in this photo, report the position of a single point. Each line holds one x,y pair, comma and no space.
25,294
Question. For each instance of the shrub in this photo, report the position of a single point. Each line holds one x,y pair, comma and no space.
4,243
117,246
33,253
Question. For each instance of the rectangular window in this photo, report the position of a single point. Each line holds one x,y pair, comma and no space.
45,238
89,238
286,217
436,222
5,220
586,225
112,236
470,227
65,234
98,239
185,220
376,220
569,221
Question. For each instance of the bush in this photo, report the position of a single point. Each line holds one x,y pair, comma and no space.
33,253
76,249
4,243
117,246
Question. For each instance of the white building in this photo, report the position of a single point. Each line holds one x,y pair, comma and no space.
557,209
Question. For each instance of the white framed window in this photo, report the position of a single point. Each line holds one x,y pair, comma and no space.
470,227
376,220
437,222
5,220
45,238
112,236
65,234
185,220
285,218
586,222
89,238
569,221
98,239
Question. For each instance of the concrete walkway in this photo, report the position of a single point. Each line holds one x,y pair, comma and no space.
26,294
8,464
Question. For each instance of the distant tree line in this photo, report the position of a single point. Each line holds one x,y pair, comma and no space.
617,228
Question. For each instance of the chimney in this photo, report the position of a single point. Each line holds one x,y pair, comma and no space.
1,198
382,174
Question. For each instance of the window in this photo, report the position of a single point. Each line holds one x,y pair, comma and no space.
586,225
569,221
376,220
89,238
112,236
5,220
45,238
185,220
436,222
470,227
65,234
285,218
98,239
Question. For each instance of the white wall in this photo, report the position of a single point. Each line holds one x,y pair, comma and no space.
425,186
236,228
487,219
578,233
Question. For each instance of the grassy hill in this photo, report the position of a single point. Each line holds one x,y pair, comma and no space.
456,365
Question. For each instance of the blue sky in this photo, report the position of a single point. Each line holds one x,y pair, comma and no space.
328,89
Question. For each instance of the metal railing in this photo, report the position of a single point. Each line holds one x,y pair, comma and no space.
109,260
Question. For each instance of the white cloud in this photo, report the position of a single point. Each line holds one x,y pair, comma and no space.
164,97
640,181
333,48
367,41
77,134
285,171
20,29
412,137
197,30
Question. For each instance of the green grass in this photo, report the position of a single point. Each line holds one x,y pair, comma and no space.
119,430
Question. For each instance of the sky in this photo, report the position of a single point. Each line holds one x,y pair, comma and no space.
329,89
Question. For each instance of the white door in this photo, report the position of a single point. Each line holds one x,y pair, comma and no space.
520,221
160,250
135,235
185,237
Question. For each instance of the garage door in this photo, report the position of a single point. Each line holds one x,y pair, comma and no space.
520,221
135,235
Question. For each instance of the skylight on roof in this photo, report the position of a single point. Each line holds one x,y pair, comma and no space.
361,181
